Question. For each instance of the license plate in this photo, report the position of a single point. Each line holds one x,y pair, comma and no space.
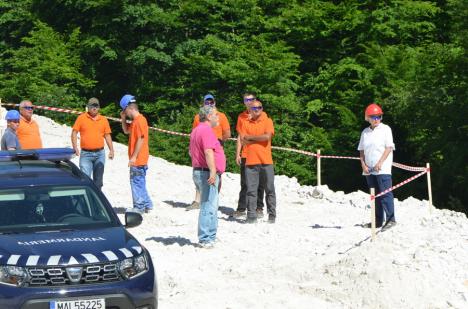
78,304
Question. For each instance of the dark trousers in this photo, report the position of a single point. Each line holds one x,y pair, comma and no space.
242,204
255,175
383,204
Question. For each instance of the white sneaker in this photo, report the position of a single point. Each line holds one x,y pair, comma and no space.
207,245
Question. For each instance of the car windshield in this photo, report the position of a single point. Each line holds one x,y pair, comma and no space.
52,208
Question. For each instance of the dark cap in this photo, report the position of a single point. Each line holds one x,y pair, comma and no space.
93,101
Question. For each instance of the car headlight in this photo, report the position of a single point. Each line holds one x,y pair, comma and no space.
133,266
13,275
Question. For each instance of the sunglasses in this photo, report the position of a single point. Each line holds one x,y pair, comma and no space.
248,99
93,106
375,117
30,108
256,108
15,121
209,102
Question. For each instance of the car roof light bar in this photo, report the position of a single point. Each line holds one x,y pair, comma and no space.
52,154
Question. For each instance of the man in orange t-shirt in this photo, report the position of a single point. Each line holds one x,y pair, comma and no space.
94,129
256,135
138,152
222,132
28,130
249,98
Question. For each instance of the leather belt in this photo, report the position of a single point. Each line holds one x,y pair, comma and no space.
92,150
201,169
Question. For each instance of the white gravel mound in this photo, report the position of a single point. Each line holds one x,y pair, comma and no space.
315,256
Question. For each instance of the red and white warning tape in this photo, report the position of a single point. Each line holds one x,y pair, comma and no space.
169,132
338,157
55,109
308,153
295,150
409,168
399,185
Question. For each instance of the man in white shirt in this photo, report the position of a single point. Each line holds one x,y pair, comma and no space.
376,152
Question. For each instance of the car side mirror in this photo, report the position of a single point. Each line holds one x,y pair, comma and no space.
133,219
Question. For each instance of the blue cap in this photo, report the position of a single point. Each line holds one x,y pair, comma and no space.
12,115
208,97
126,99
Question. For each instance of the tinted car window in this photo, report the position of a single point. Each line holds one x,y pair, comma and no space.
51,207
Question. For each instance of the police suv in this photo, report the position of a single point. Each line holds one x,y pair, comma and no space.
61,244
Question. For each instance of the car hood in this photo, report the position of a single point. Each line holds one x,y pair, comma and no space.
68,248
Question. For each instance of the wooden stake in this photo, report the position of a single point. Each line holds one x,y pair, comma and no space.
1,118
372,192
429,187
319,177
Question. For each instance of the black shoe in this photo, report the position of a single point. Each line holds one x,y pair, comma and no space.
251,220
148,210
271,219
368,225
259,213
238,213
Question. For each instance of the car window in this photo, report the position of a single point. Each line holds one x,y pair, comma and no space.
49,207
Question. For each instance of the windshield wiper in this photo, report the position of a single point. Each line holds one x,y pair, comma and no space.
55,231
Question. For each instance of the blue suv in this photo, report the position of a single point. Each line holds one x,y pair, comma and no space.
61,244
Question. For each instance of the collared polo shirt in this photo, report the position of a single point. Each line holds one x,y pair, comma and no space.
202,138
10,140
223,125
244,116
28,134
373,142
92,130
258,152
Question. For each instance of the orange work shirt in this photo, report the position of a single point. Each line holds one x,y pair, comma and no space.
139,128
92,130
244,116
223,125
28,134
258,152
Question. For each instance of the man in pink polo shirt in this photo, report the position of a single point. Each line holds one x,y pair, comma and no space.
208,162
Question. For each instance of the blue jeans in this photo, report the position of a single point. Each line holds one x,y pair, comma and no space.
92,164
383,204
208,217
141,199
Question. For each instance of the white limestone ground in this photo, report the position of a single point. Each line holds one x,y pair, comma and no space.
315,256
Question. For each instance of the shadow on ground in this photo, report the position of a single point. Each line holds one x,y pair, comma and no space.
120,210
226,210
233,219
359,243
167,241
177,204
318,226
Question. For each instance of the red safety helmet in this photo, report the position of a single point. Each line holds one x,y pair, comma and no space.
373,109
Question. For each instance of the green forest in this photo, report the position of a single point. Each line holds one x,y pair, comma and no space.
314,64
